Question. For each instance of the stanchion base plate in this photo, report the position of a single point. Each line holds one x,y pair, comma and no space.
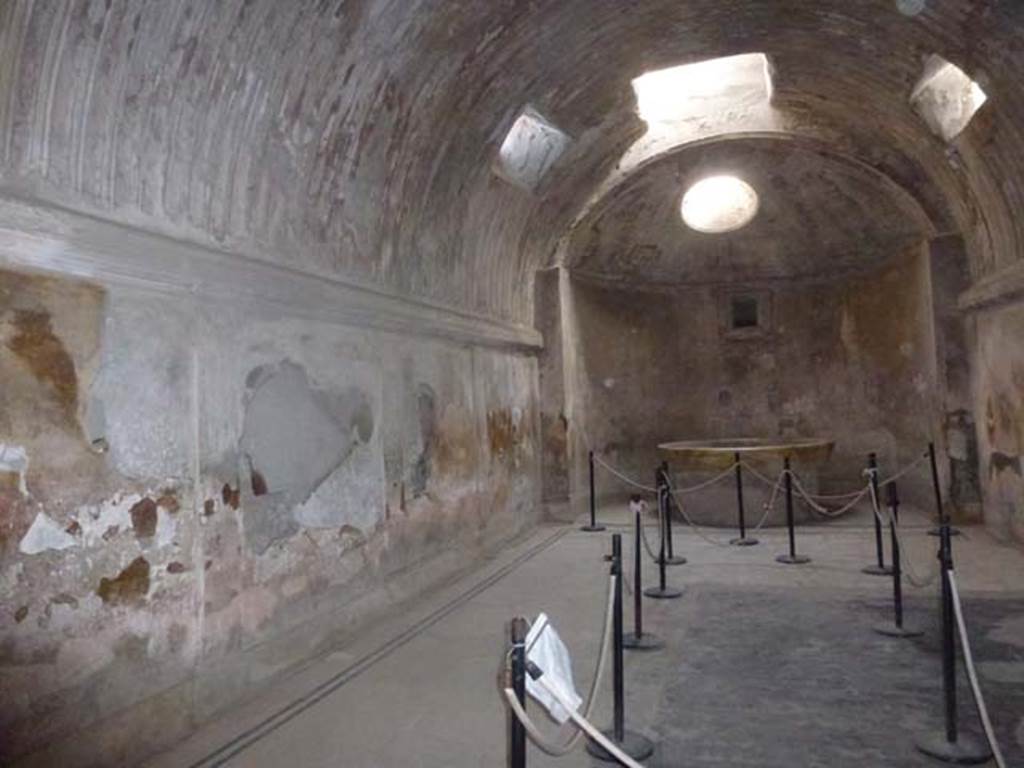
891,630
677,560
793,559
668,593
645,642
938,532
633,744
877,570
966,750
744,541
592,528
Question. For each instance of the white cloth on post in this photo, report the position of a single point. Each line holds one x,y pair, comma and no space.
545,649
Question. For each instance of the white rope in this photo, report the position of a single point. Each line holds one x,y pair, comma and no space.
707,483
538,738
979,700
840,496
624,478
770,504
889,519
689,521
580,722
906,470
808,499
652,489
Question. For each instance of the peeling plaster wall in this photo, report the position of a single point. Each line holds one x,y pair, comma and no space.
851,360
998,387
195,496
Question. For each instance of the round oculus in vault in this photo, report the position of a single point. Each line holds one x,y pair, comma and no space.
719,204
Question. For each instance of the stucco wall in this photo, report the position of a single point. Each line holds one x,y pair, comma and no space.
850,359
196,494
998,367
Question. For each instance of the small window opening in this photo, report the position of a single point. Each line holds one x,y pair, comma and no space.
531,147
719,204
744,312
691,90
946,98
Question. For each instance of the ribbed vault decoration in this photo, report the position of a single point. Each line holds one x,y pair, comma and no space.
355,138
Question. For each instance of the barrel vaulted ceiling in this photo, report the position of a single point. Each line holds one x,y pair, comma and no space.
355,138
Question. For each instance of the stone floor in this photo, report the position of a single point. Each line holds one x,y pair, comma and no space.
766,664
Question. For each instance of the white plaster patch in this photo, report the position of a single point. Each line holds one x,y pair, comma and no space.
45,535
166,528
97,520
14,459
920,383
609,383
355,488
907,349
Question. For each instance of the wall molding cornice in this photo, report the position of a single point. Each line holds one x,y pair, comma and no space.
1003,287
41,237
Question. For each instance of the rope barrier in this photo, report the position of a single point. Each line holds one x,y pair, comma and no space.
769,505
647,545
809,500
538,738
859,494
580,722
651,489
689,521
913,575
972,675
623,477
906,470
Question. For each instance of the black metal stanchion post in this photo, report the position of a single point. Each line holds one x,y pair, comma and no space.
896,629
593,526
937,530
742,540
638,640
950,746
792,558
516,730
633,744
670,558
879,568
662,591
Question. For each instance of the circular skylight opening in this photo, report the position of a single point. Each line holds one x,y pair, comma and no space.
719,204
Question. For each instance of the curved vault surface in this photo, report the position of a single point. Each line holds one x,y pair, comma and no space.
355,139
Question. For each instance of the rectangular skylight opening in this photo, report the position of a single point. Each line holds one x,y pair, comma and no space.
946,98
691,90
531,147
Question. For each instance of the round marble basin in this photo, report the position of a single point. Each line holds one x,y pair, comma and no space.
721,453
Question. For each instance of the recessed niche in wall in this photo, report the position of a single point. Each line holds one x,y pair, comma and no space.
531,147
946,98
745,314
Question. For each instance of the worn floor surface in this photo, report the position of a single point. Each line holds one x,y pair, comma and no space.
766,665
